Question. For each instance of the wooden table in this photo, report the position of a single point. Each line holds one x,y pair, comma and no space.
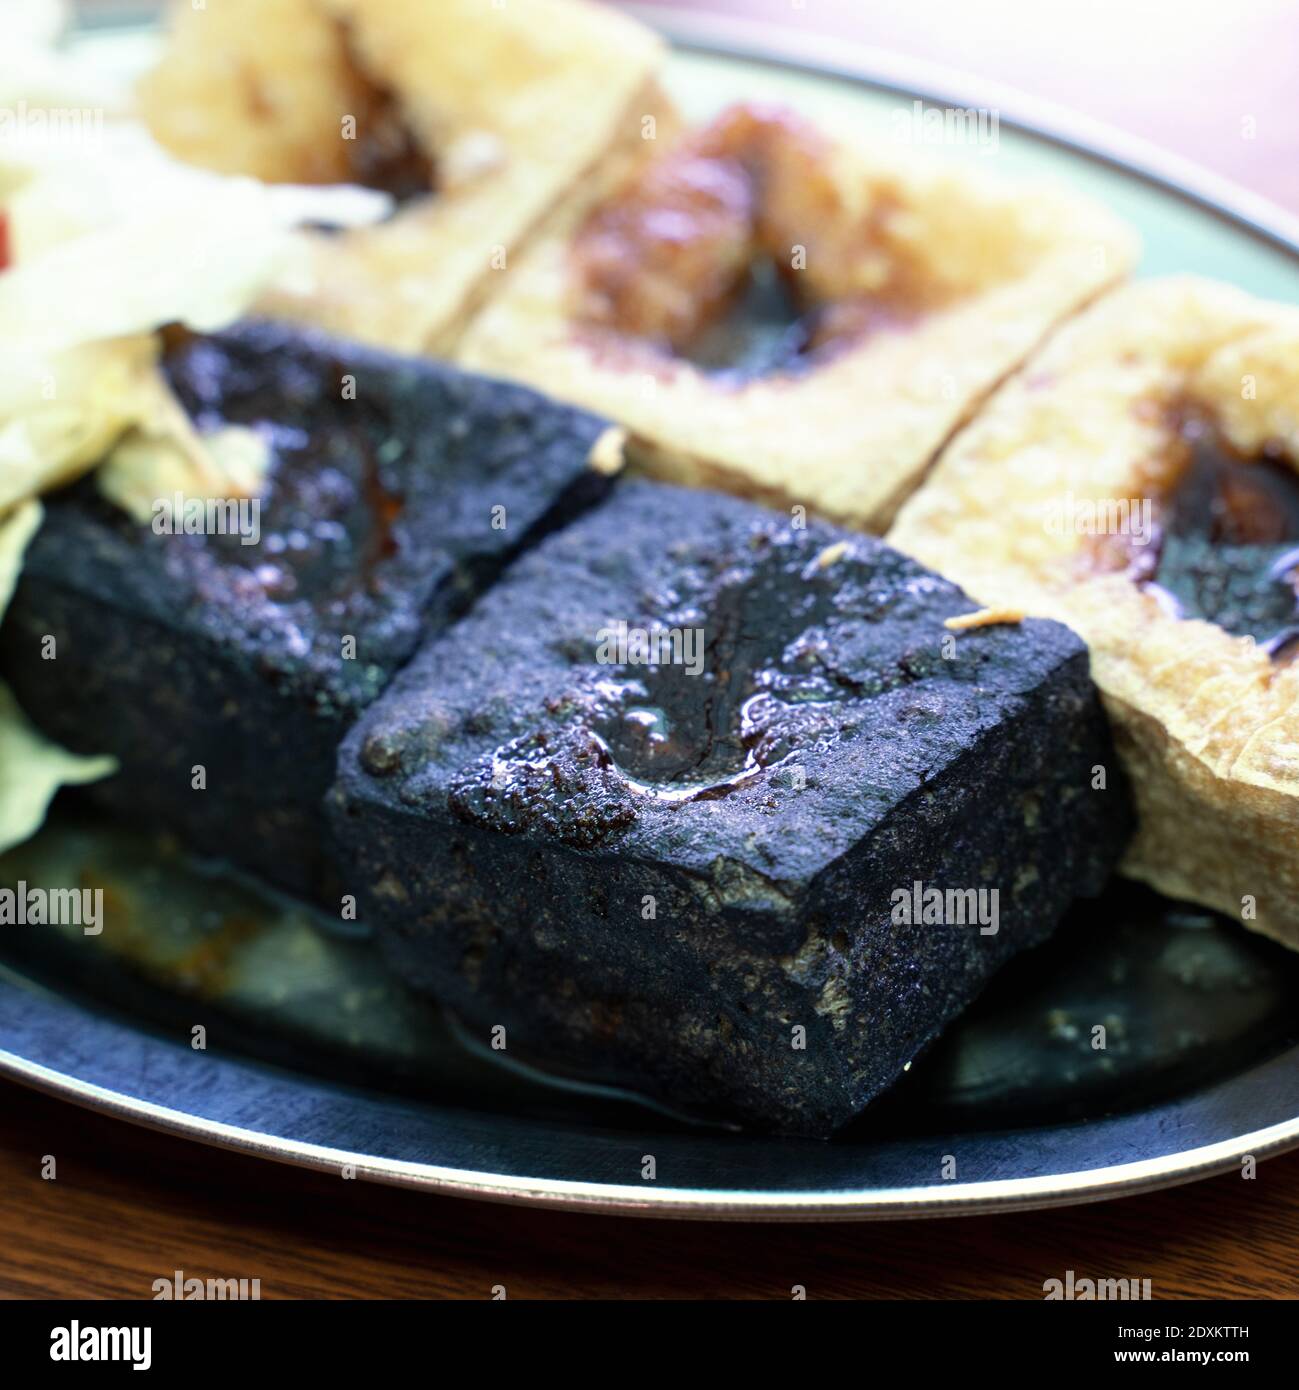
129,1207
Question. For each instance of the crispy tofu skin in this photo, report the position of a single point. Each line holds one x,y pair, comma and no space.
1207,722
255,87
926,285
479,119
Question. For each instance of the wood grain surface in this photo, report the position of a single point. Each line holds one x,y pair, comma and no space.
128,1206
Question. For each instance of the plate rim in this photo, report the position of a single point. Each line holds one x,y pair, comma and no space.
623,1199
760,42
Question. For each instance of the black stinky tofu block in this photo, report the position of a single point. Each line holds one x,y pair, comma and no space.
701,877
398,489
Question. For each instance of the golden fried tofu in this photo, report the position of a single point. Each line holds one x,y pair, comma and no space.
477,118
1138,480
912,288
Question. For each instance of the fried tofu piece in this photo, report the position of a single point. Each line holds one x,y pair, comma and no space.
477,118
1139,480
220,651
662,804
912,288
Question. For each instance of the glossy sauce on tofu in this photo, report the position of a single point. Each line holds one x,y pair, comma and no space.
737,250
1228,536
